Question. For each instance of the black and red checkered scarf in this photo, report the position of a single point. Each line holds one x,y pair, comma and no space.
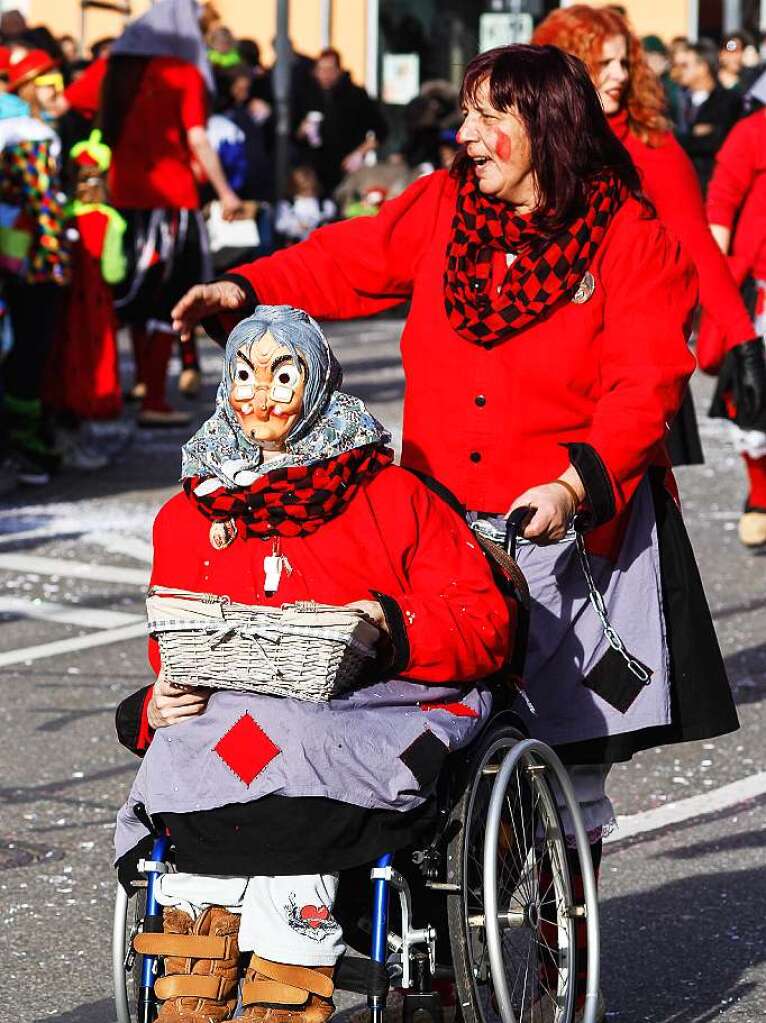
545,268
294,500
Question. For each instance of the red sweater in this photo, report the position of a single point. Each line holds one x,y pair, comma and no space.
670,182
489,423
737,194
396,538
152,164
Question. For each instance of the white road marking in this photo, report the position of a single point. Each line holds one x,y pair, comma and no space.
685,809
30,563
129,546
67,614
68,646
115,543
45,533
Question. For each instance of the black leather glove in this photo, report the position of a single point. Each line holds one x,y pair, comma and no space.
749,382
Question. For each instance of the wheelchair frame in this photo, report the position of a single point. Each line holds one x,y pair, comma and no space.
409,959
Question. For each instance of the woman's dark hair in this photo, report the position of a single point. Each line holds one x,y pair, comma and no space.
571,141
121,86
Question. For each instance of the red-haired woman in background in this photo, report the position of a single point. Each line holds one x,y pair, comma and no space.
633,101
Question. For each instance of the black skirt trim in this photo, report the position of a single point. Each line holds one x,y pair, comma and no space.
281,835
702,706
683,443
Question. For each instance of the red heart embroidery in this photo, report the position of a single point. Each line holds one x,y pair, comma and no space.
314,915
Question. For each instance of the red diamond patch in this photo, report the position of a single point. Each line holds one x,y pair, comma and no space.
458,710
246,749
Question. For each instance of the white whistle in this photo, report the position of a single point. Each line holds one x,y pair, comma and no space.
272,566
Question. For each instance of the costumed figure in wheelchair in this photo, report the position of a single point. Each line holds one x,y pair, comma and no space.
248,805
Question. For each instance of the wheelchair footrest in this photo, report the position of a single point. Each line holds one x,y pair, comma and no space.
361,975
423,1007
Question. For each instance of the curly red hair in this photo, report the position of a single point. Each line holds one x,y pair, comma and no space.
582,30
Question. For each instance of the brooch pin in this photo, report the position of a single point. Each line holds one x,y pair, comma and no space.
222,534
585,289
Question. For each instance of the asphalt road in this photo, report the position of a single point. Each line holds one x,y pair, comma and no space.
683,904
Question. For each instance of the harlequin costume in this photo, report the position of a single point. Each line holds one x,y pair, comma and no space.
279,794
83,374
34,261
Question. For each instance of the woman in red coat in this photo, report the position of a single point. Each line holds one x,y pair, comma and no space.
545,352
737,196
633,101
289,495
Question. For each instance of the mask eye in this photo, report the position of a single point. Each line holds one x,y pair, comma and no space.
244,382
287,375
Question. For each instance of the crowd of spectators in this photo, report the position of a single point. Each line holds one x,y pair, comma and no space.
344,162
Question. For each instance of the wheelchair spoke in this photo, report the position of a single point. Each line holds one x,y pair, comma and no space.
531,939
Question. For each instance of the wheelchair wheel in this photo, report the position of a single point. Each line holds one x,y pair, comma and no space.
126,965
512,924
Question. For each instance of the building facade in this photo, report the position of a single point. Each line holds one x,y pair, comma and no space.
389,45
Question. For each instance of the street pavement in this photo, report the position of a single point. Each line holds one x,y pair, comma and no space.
683,891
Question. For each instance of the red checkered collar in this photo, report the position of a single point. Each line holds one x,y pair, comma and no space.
545,268
293,500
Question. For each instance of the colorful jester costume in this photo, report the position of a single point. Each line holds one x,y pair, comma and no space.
34,263
88,338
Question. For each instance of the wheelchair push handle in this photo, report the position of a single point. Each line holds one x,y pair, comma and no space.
154,827
514,525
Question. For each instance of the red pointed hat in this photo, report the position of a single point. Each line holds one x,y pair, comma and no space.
26,65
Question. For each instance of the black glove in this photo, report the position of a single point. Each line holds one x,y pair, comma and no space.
749,384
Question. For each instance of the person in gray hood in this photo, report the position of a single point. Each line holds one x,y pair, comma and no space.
290,494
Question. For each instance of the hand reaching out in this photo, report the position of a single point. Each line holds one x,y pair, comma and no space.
206,300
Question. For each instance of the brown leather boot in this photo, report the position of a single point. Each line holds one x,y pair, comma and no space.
278,993
201,965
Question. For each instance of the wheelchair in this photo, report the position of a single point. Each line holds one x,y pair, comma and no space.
485,905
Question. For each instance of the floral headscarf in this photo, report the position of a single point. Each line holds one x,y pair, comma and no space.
330,424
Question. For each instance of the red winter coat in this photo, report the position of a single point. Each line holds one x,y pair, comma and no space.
152,165
395,538
606,376
737,194
87,335
670,182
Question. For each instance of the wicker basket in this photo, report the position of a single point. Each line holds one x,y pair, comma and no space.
305,650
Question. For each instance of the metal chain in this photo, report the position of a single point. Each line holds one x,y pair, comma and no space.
599,607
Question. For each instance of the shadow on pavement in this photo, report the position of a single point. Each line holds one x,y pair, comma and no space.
747,670
94,1012
679,953
731,843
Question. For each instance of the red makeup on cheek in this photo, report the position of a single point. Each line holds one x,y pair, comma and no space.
502,145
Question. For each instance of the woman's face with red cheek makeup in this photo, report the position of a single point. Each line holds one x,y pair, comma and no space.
498,144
